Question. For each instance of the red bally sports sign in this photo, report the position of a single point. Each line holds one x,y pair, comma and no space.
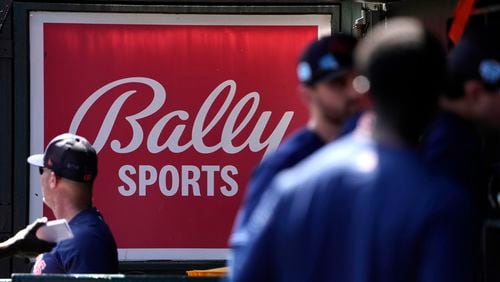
180,108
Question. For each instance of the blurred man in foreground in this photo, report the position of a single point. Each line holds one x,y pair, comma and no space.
366,208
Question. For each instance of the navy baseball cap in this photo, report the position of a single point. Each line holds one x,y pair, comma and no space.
327,58
477,57
69,156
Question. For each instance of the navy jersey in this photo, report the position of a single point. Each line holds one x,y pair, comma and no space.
452,145
357,211
92,250
351,124
301,144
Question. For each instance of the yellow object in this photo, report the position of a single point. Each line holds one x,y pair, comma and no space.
214,272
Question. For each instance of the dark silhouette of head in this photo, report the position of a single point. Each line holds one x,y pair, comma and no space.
405,65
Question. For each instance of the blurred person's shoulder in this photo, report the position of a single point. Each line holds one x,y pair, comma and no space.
424,187
299,144
447,193
448,129
337,159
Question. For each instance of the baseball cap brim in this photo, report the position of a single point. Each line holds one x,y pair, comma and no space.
36,160
334,75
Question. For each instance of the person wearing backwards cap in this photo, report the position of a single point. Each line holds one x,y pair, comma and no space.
68,169
325,71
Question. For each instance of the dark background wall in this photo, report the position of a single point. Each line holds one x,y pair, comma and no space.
14,130
6,137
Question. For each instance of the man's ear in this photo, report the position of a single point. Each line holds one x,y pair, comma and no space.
473,90
53,179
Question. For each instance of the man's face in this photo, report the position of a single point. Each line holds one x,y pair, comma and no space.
335,99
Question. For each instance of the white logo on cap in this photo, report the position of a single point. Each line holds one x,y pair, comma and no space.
490,71
328,62
304,71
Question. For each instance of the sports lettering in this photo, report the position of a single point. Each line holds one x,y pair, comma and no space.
184,180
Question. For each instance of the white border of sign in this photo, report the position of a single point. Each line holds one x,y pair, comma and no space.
36,21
